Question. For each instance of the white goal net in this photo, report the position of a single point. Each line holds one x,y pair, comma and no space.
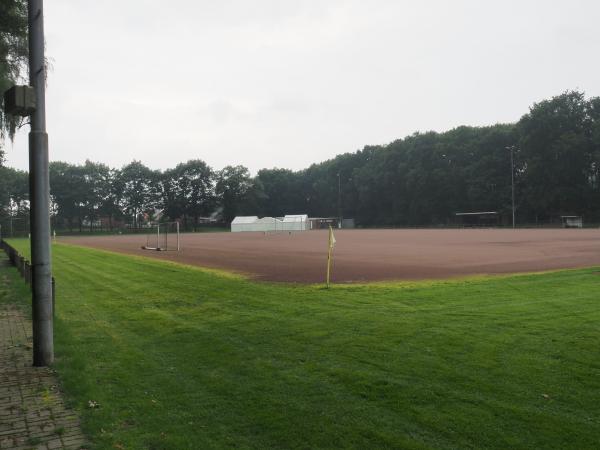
163,237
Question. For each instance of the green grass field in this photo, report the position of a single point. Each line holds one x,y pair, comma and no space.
181,358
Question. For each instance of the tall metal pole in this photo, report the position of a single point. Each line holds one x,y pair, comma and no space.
39,195
340,200
512,183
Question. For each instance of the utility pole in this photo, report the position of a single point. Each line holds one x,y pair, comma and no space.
39,194
512,182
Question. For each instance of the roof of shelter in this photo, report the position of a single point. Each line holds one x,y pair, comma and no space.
267,220
245,219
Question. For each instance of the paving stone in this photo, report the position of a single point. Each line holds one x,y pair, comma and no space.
31,408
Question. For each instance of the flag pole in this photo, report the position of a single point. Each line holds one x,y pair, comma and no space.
328,265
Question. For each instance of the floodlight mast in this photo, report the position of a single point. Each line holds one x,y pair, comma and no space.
512,182
39,194
340,214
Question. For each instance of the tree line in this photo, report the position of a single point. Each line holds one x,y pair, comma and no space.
134,195
421,180
426,178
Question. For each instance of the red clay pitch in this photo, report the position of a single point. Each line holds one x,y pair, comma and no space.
374,255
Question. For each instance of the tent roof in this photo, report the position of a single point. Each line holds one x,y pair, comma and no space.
245,219
267,220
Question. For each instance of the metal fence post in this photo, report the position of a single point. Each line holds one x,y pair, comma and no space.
53,296
27,272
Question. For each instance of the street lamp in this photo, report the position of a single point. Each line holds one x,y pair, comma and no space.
31,101
512,181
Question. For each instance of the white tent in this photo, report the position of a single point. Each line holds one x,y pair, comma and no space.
253,223
298,222
268,224
295,222
243,223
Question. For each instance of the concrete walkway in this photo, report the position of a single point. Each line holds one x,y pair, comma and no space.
32,412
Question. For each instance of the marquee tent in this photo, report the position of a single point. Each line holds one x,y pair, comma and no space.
292,222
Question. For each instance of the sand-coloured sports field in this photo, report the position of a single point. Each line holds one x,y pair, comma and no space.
372,255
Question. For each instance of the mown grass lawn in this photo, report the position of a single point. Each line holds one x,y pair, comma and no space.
181,358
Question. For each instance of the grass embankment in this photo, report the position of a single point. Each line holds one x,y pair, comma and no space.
180,358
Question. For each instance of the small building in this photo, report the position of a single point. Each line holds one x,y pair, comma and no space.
318,223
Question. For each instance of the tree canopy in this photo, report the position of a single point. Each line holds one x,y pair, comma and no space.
421,180
13,54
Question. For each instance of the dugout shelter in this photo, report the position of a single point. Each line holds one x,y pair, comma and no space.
478,219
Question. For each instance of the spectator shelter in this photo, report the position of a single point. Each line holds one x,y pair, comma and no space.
478,219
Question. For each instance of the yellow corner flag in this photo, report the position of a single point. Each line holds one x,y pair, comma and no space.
330,253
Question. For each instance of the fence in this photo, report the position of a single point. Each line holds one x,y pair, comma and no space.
24,267
17,226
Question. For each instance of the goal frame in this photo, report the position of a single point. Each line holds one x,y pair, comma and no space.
153,240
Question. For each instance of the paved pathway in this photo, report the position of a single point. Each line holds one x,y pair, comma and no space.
32,413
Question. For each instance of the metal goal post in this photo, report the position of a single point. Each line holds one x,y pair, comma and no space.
163,237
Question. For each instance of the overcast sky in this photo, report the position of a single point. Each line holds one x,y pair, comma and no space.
285,83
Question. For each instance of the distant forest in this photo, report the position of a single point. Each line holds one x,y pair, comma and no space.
421,180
